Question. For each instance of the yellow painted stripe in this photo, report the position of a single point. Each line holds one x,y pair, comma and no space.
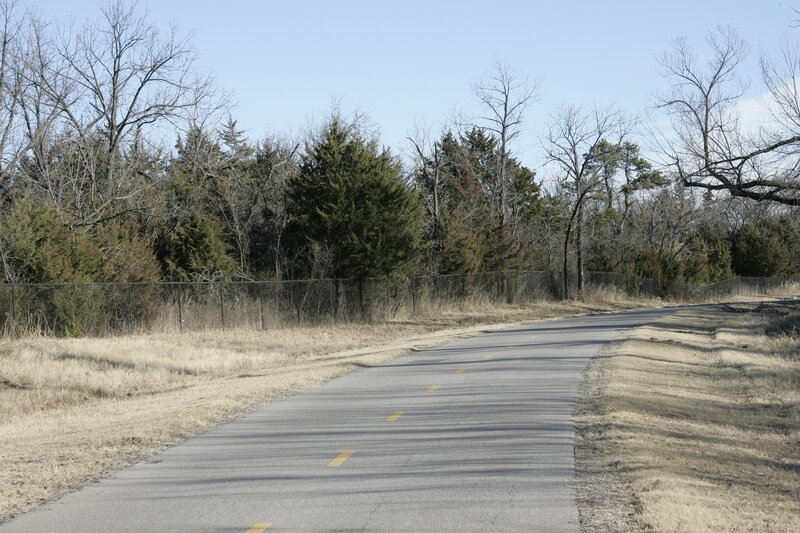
459,371
342,457
432,388
258,527
394,416
488,356
510,346
534,337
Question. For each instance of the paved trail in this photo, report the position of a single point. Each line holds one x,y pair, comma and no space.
475,435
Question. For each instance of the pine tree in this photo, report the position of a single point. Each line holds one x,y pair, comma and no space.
349,199
767,247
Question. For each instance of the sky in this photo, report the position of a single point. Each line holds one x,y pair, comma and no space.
409,62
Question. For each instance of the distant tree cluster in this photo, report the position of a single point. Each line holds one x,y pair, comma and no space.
90,191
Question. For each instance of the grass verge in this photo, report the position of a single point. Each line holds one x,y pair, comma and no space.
692,423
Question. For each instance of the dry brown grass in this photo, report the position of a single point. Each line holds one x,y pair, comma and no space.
73,410
693,424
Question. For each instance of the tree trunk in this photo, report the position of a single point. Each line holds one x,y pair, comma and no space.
567,235
579,250
502,176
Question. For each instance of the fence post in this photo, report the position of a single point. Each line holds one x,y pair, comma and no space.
298,301
335,302
180,308
301,296
276,304
14,307
361,297
130,305
261,303
413,287
221,305
386,311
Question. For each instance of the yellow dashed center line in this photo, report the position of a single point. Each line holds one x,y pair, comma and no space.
342,457
432,388
394,416
510,346
488,356
258,527
459,371
534,337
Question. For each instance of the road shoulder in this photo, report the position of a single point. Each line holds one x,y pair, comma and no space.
691,423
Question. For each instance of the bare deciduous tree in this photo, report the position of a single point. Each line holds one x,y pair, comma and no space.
24,113
128,75
505,96
10,89
111,86
710,146
663,224
572,145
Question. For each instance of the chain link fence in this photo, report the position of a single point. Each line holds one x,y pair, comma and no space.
75,309
693,292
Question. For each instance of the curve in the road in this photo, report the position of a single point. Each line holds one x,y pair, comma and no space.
476,435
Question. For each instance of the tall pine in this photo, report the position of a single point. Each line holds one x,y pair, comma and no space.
350,206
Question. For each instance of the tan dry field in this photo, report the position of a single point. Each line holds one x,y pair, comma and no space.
692,424
74,410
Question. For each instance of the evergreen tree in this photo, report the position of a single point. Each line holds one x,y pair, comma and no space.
237,196
466,211
349,198
709,256
195,251
190,243
474,237
768,247
198,162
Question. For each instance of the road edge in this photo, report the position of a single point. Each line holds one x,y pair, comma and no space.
604,503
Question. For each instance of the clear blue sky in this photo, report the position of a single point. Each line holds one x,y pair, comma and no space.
407,61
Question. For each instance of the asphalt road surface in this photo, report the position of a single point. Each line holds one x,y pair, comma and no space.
475,435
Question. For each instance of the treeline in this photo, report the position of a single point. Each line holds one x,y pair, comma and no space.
90,193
